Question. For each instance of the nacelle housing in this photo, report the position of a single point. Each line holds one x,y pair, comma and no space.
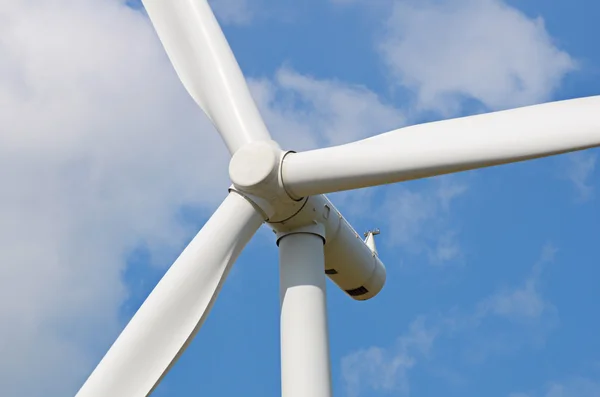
349,262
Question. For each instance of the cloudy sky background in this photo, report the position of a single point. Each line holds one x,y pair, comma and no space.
107,169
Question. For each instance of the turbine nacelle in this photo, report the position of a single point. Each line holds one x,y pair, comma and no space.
349,262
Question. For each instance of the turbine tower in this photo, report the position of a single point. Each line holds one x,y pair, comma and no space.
286,190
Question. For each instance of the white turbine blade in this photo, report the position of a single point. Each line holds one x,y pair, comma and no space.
174,311
205,64
446,146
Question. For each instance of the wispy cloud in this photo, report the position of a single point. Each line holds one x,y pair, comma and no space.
419,219
522,306
579,171
576,386
524,302
305,112
387,370
233,12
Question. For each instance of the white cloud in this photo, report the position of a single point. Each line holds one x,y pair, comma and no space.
479,49
483,50
99,148
305,112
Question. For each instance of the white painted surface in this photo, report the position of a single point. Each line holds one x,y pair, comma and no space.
305,367
349,262
447,146
176,308
208,69
256,165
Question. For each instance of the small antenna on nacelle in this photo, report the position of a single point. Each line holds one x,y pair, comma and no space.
373,232
370,239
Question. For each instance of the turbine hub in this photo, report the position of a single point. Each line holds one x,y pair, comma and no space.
255,170
255,166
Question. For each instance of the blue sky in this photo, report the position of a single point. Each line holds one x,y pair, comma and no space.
109,169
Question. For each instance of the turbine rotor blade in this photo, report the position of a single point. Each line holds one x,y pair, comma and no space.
171,315
207,67
447,146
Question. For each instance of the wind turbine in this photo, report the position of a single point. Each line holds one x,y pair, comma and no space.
285,189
